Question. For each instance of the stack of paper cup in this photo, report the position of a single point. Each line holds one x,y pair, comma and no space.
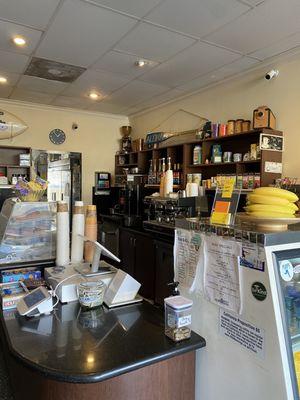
62,234
77,229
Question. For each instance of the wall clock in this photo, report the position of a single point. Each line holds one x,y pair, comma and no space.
57,136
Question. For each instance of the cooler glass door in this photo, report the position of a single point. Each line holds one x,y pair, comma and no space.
287,271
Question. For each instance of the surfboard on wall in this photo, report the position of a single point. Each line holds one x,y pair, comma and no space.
10,125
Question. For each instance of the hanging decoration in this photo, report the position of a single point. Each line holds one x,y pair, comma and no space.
10,125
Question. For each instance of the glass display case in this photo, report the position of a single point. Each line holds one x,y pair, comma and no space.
27,231
288,279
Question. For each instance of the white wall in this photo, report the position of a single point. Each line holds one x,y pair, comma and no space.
97,137
238,98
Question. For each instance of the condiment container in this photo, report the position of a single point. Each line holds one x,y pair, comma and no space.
238,125
91,293
178,318
230,127
246,125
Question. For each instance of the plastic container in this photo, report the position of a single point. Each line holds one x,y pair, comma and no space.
91,294
178,318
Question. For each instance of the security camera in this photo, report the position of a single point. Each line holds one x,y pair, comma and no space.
271,74
74,126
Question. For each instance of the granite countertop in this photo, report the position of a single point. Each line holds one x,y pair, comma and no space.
79,346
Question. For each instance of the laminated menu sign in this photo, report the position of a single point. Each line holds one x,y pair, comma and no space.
222,284
187,252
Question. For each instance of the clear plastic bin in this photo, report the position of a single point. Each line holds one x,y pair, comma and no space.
178,318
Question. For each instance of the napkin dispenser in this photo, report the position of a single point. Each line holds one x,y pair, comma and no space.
122,289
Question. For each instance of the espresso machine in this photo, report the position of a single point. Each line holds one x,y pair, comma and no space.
161,212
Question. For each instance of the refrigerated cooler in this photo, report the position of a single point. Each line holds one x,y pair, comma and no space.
254,352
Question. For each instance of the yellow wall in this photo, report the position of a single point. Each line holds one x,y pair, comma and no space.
97,137
238,98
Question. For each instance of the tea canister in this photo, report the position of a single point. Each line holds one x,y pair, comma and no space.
178,318
222,130
238,125
246,125
230,126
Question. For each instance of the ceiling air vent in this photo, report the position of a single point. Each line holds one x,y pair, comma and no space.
53,70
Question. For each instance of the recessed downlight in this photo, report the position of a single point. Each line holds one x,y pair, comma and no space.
19,41
3,79
140,63
94,96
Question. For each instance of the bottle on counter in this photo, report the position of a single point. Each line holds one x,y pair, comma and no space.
154,171
168,179
150,173
90,232
14,179
175,175
159,171
179,171
197,155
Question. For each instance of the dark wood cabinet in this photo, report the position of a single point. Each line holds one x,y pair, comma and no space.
164,270
127,252
138,260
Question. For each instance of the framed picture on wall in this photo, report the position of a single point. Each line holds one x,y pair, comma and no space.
271,142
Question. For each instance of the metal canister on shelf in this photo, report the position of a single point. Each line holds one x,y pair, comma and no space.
215,130
230,127
222,130
246,125
238,125
227,156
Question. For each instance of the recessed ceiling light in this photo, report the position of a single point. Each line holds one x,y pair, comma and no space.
19,41
3,79
94,96
140,63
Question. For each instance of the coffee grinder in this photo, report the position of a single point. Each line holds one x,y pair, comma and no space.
126,139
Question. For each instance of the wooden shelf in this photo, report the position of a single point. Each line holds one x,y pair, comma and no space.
157,186
224,163
127,165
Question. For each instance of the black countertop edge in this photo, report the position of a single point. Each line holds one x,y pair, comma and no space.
182,347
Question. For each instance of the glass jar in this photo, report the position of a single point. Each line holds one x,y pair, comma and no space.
91,293
246,125
178,318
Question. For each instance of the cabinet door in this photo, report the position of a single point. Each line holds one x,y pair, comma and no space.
164,270
126,249
145,265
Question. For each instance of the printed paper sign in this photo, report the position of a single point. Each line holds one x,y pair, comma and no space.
273,167
242,332
222,272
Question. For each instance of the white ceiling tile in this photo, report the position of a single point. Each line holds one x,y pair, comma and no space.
5,91
12,62
101,81
8,30
82,32
31,96
121,63
235,67
196,17
41,85
153,43
107,107
11,77
197,60
135,92
278,47
35,13
134,7
263,25
72,102
167,96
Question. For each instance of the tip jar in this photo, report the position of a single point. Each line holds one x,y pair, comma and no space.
178,318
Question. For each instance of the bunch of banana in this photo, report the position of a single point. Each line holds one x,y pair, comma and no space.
271,202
